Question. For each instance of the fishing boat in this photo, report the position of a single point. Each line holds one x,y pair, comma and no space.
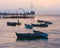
11,23
46,22
28,26
35,34
39,25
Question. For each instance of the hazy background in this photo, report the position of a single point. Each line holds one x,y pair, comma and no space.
40,6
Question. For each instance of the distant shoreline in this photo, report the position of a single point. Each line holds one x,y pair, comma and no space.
48,14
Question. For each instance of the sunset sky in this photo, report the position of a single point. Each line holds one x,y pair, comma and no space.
38,5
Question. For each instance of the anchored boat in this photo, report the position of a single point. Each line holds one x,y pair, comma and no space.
28,26
13,23
35,34
39,25
46,22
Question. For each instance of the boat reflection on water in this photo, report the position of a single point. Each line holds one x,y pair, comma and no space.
22,39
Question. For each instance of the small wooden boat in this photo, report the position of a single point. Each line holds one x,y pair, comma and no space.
46,22
11,23
28,26
35,34
39,25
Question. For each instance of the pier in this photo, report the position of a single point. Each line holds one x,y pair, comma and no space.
30,14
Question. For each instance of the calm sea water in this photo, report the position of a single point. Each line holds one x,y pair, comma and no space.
8,36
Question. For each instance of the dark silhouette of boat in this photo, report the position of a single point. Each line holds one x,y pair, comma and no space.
13,23
39,25
46,22
28,26
34,35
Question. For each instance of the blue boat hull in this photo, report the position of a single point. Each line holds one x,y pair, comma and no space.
28,26
36,34
40,25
